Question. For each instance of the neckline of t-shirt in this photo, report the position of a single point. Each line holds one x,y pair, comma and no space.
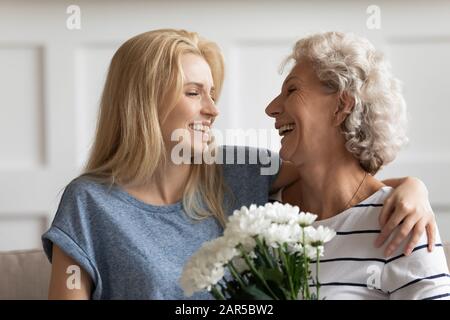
124,195
368,200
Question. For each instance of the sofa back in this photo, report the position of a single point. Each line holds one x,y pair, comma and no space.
24,274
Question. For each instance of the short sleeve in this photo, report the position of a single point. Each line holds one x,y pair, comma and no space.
70,230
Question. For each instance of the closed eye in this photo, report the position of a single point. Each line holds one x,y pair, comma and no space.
194,94
290,90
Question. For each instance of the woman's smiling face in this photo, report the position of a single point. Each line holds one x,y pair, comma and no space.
304,115
195,110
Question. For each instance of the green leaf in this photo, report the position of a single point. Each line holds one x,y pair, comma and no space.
273,275
256,293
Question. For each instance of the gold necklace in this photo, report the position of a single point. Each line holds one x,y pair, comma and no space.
356,192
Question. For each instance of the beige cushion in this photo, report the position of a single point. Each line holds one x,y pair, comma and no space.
24,275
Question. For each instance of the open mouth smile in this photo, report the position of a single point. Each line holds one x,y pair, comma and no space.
199,127
286,128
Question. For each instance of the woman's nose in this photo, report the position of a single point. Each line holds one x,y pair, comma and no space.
274,108
210,108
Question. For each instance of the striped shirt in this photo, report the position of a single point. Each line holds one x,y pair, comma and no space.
352,268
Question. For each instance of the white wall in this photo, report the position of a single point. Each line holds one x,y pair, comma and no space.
51,79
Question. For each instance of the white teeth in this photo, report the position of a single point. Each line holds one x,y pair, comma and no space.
199,127
287,127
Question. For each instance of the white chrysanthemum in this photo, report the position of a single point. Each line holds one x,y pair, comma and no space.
249,224
274,224
206,266
196,278
295,247
311,252
319,236
222,251
240,265
278,234
306,219
282,214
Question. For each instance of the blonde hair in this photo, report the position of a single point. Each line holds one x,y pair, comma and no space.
143,84
376,128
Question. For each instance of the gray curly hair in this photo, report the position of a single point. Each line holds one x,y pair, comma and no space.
376,128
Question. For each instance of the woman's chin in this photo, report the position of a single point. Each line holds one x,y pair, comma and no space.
289,151
284,153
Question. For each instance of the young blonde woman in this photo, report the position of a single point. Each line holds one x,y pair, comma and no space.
131,220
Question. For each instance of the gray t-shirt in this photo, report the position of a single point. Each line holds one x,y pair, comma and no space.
134,250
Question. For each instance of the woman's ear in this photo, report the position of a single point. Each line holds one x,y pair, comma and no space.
344,107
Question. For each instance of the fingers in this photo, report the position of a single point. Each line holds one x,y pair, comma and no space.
401,235
418,231
431,234
395,219
386,211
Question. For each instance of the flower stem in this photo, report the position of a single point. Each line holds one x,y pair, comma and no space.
288,271
306,294
236,275
265,253
257,274
217,293
317,273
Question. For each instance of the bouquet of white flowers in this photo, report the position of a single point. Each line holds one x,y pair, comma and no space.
265,253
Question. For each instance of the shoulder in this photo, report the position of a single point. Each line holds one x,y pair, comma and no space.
84,185
371,206
361,217
81,210
380,195
83,193
374,202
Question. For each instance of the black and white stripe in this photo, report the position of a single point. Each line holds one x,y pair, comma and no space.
352,268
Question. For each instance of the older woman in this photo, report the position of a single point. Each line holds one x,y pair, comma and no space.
342,117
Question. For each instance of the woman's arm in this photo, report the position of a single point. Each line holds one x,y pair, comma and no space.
409,206
59,290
